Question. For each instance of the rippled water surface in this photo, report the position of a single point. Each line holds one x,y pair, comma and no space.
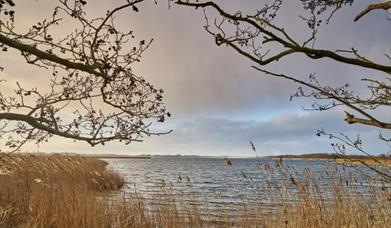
246,181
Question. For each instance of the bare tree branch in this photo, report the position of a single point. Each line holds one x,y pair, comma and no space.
260,24
372,121
41,55
94,96
376,6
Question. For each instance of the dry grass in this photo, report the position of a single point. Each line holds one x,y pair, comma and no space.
378,161
69,191
53,191
301,201
373,161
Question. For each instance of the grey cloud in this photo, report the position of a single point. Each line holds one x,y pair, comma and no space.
286,133
203,78
200,78
206,85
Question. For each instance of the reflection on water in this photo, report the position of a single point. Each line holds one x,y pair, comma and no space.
246,181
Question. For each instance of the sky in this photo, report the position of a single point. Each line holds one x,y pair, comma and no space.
218,102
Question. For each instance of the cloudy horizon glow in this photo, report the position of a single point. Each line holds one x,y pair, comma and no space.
218,102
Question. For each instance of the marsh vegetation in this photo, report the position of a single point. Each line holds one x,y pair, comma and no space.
74,191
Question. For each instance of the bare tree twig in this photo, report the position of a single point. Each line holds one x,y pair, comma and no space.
376,6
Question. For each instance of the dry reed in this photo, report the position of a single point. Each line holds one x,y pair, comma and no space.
71,191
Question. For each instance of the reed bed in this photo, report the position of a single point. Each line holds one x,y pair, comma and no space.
373,161
74,191
53,191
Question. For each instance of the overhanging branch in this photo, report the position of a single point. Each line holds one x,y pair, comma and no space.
50,57
351,119
37,124
371,121
292,47
370,7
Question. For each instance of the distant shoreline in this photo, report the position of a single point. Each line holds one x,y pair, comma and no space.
339,159
118,157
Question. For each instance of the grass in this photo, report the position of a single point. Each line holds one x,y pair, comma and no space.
53,191
73,191
340,159
368,160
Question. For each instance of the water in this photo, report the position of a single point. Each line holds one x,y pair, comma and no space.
250,182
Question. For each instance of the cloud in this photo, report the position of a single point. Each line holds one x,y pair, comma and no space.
285,133
218,101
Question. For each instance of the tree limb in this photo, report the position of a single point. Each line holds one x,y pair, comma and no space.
375,6
36,123
351,119
53,58
292,47
372,121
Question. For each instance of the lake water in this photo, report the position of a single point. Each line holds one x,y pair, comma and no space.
245,181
